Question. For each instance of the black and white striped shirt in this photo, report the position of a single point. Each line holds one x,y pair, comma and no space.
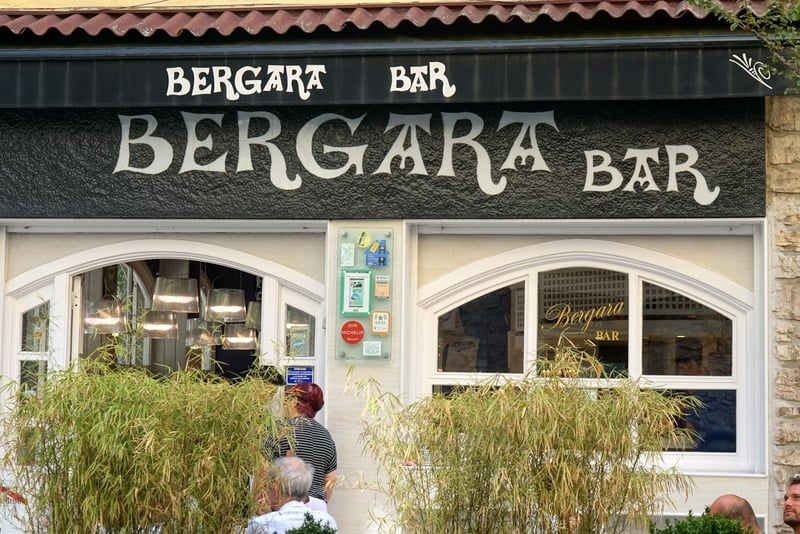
314,444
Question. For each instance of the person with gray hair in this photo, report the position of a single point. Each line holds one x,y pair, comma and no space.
284,486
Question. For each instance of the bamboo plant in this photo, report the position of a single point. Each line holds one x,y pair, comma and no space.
566,449
115,449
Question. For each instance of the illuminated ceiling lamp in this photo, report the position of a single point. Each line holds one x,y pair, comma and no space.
238,337
226,306
159,325
103,317
177,295
253,316
200,333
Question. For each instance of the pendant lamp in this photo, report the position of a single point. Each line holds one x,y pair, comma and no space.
159,325
177,295
237,337
199,333
103,317
226,306
253,316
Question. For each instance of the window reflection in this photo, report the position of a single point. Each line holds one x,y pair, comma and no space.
714,423
34,329
485,334
683,337
299,333
588,306
31,376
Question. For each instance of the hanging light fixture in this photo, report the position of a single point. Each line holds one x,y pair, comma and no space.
237,337
253,316
177,295
200,333
226,306
103,317
159,325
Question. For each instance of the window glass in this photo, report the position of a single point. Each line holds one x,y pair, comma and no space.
485,334
714,423
299,333
683,337
31,375
35,329
590,308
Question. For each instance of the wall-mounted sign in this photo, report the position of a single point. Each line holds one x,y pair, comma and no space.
352,332
379,322
355,297
509,161
365,271
299,374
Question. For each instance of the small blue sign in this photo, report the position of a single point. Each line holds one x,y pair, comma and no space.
299,375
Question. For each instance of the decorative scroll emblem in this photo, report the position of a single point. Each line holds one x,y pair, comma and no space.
757,69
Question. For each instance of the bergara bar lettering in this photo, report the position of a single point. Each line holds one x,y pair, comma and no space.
561,316
244,81
401,148
233,83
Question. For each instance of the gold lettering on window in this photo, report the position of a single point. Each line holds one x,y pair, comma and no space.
562,316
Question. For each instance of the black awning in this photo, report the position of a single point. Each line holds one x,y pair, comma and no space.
659,68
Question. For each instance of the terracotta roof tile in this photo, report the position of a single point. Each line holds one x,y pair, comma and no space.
280,20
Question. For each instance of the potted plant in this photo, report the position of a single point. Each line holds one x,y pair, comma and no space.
103,448
565,449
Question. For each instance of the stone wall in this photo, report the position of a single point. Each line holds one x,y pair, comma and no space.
783,336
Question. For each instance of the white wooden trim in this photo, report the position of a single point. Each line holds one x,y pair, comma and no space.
125,251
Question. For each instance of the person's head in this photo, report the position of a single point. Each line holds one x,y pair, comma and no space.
735,507
291,478
308,398
791,503
287,478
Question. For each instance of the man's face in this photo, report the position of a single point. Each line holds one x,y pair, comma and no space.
791,505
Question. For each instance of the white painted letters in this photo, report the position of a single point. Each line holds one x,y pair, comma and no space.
246,80
162,150
483,167
642,176
421,79
305,138
193,143
409,124
277,170
702,194
462,137
615,177
528,129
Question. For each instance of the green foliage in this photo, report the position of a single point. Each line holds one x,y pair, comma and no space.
310,526
703,524
566,450
777,27
118,448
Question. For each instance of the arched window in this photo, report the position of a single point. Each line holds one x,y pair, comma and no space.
47,328
674,325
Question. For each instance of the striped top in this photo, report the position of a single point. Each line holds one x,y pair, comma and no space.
314,444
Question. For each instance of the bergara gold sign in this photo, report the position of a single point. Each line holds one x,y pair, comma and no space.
560,316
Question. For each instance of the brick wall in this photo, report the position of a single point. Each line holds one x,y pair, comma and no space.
783,219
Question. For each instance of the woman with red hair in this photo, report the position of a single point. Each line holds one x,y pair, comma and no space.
312,442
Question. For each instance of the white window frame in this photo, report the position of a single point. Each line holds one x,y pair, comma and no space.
273,317
740,304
